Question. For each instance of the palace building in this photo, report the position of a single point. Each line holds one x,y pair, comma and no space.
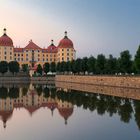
33,54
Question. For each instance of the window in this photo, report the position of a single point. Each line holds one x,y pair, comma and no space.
26,59
5,57
62,58
47,60
10,57
62,54
67,54
62,50
68,59
5,53
38,59
10,53
26,50
21,54
18,54
21,59
26,55
15,59
15,54
68,50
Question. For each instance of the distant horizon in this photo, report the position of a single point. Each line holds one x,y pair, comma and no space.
94,26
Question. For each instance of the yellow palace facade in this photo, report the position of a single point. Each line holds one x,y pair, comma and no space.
33,55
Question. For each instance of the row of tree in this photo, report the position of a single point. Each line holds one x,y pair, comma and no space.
100,65
12,66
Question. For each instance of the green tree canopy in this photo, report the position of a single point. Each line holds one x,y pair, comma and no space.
111,65
84,66
125,62
39,69
91,64
137,60
14,67
53,67
3,67
25,67
100,64
46,67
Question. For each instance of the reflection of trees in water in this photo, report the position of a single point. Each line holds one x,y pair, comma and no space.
24,91
101,103
3,93
125,108
39,89
137,112
11,93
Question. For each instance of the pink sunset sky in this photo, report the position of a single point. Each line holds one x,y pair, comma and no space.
94,26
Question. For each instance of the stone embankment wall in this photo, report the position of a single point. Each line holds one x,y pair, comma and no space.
14,79
117,81
27,79
42,80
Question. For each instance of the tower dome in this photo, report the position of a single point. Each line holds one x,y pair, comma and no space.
52,48
5,40
65,42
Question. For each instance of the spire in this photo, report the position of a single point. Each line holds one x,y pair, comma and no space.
52,112
52,43
4,31
4,124
66,122
66,34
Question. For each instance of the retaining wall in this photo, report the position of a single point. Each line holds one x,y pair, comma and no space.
117,81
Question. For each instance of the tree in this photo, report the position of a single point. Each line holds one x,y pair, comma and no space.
125,63
68,66
84,66
39,69
111,65
91,64
137,60
53,67
3,67
100,64
77,66
46,67
14,67
25,68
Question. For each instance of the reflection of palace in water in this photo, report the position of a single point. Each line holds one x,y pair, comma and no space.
32,102
113,101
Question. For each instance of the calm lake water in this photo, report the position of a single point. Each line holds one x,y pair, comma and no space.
44,112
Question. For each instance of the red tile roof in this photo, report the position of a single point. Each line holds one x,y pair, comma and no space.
6,41
18,49
32,46
65,42
52,49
